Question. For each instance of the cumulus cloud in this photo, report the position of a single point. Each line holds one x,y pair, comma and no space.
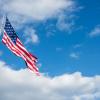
31,36
74,55
77,46
65,23
95,31
22,12
24,85
37,9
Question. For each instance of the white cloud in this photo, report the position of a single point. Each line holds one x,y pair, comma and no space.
31,36
50,30
23,85
74,55
21,12
37,9
95,31
66,23
50,34
77,46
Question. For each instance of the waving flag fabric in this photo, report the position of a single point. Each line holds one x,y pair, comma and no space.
12,41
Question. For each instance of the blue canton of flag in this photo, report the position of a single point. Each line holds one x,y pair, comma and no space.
10,31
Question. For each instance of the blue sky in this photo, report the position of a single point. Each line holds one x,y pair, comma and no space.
65,36
66,43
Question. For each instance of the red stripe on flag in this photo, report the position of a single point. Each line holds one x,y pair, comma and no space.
20,51
19,44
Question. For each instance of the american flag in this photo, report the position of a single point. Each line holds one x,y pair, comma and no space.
12,41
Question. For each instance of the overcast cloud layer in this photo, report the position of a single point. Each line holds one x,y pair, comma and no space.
23,85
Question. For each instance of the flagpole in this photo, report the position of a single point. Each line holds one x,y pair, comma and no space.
2,24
